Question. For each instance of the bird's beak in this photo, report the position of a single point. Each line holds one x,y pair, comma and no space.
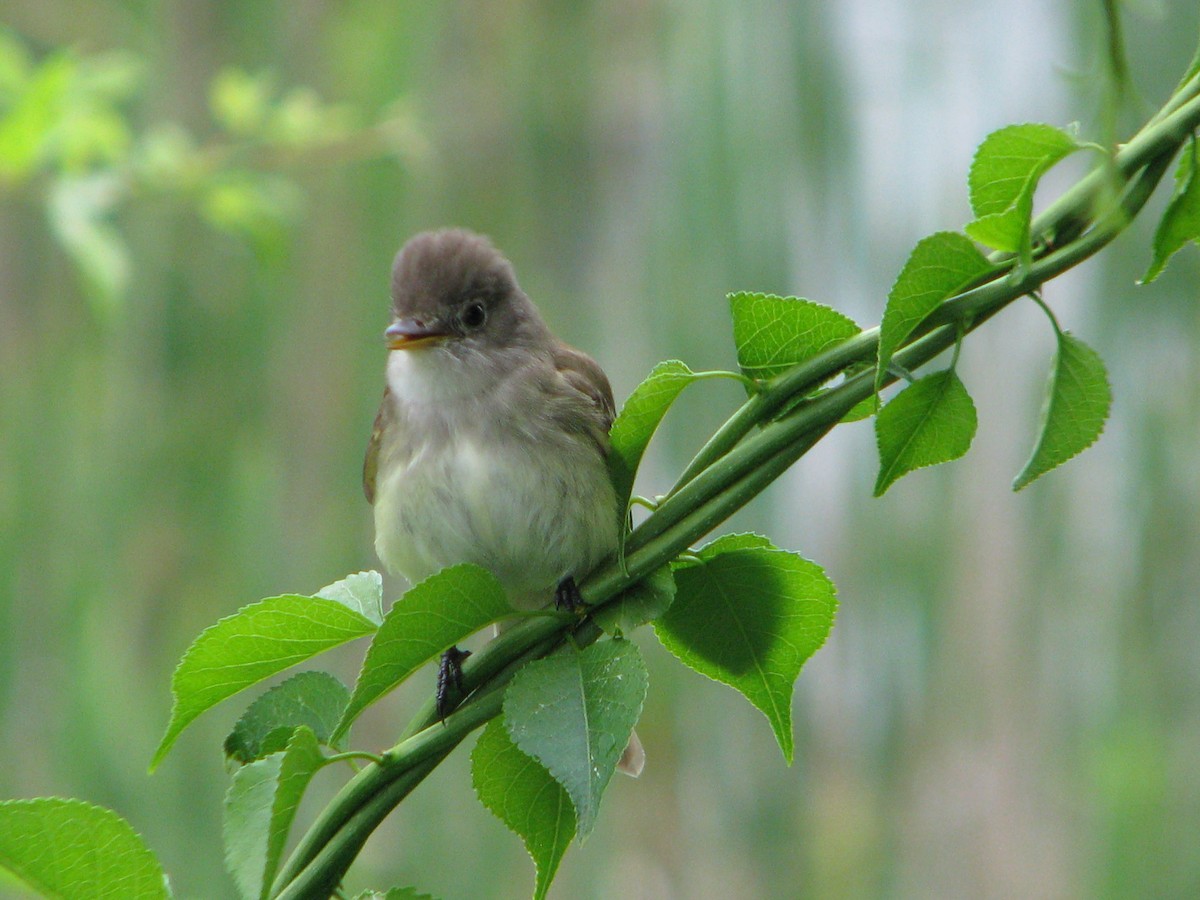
408,334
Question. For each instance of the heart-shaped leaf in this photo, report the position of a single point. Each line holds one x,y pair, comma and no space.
939,267
931,421
574,712
750,616
773,334
68,848
1078,399
313,699
526,798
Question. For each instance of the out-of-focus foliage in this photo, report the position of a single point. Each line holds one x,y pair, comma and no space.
65,131
1009,701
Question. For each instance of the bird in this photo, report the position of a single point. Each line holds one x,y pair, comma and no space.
491,439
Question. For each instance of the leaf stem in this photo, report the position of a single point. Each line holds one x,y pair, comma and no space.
751,384
1036,296
351,755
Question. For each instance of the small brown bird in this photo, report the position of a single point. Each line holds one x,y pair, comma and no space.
490,443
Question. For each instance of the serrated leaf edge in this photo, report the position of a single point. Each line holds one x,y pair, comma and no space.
881,487
1023,479
174,729
140,848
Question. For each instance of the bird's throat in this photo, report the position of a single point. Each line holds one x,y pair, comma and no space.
437,376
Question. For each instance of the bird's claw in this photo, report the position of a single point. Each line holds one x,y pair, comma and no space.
449,681
567,597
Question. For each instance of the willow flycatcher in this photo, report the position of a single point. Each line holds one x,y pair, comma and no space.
490,443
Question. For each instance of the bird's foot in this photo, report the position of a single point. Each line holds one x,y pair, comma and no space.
567,597
449,681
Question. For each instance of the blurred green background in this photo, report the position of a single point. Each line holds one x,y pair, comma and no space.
193,283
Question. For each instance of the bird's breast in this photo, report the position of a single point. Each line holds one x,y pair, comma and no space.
530,511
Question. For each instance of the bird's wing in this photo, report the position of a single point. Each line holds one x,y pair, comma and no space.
371,461
584,375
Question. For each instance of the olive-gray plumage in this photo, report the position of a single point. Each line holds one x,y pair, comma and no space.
490,443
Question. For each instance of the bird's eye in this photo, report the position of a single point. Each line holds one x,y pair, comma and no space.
474,315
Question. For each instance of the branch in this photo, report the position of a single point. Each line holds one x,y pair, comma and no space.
746,454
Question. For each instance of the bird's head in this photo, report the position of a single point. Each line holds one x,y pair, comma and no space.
453,290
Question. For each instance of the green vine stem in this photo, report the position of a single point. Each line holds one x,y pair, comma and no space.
745,455
1064,220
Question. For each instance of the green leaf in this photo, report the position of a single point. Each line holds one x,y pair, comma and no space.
254,643
80,210
15,66
745,540
1192,72
166,159
864,409
750,616
68,848
361,592
442,610
741,540
112,75
259,809
931,421
1078,399
1180,223
404,893
250,206
574,712
642,603
635,425
315,700
1003,177
240,101
301,119
93,133
27,126
773,334
939,267
526,798
91,139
